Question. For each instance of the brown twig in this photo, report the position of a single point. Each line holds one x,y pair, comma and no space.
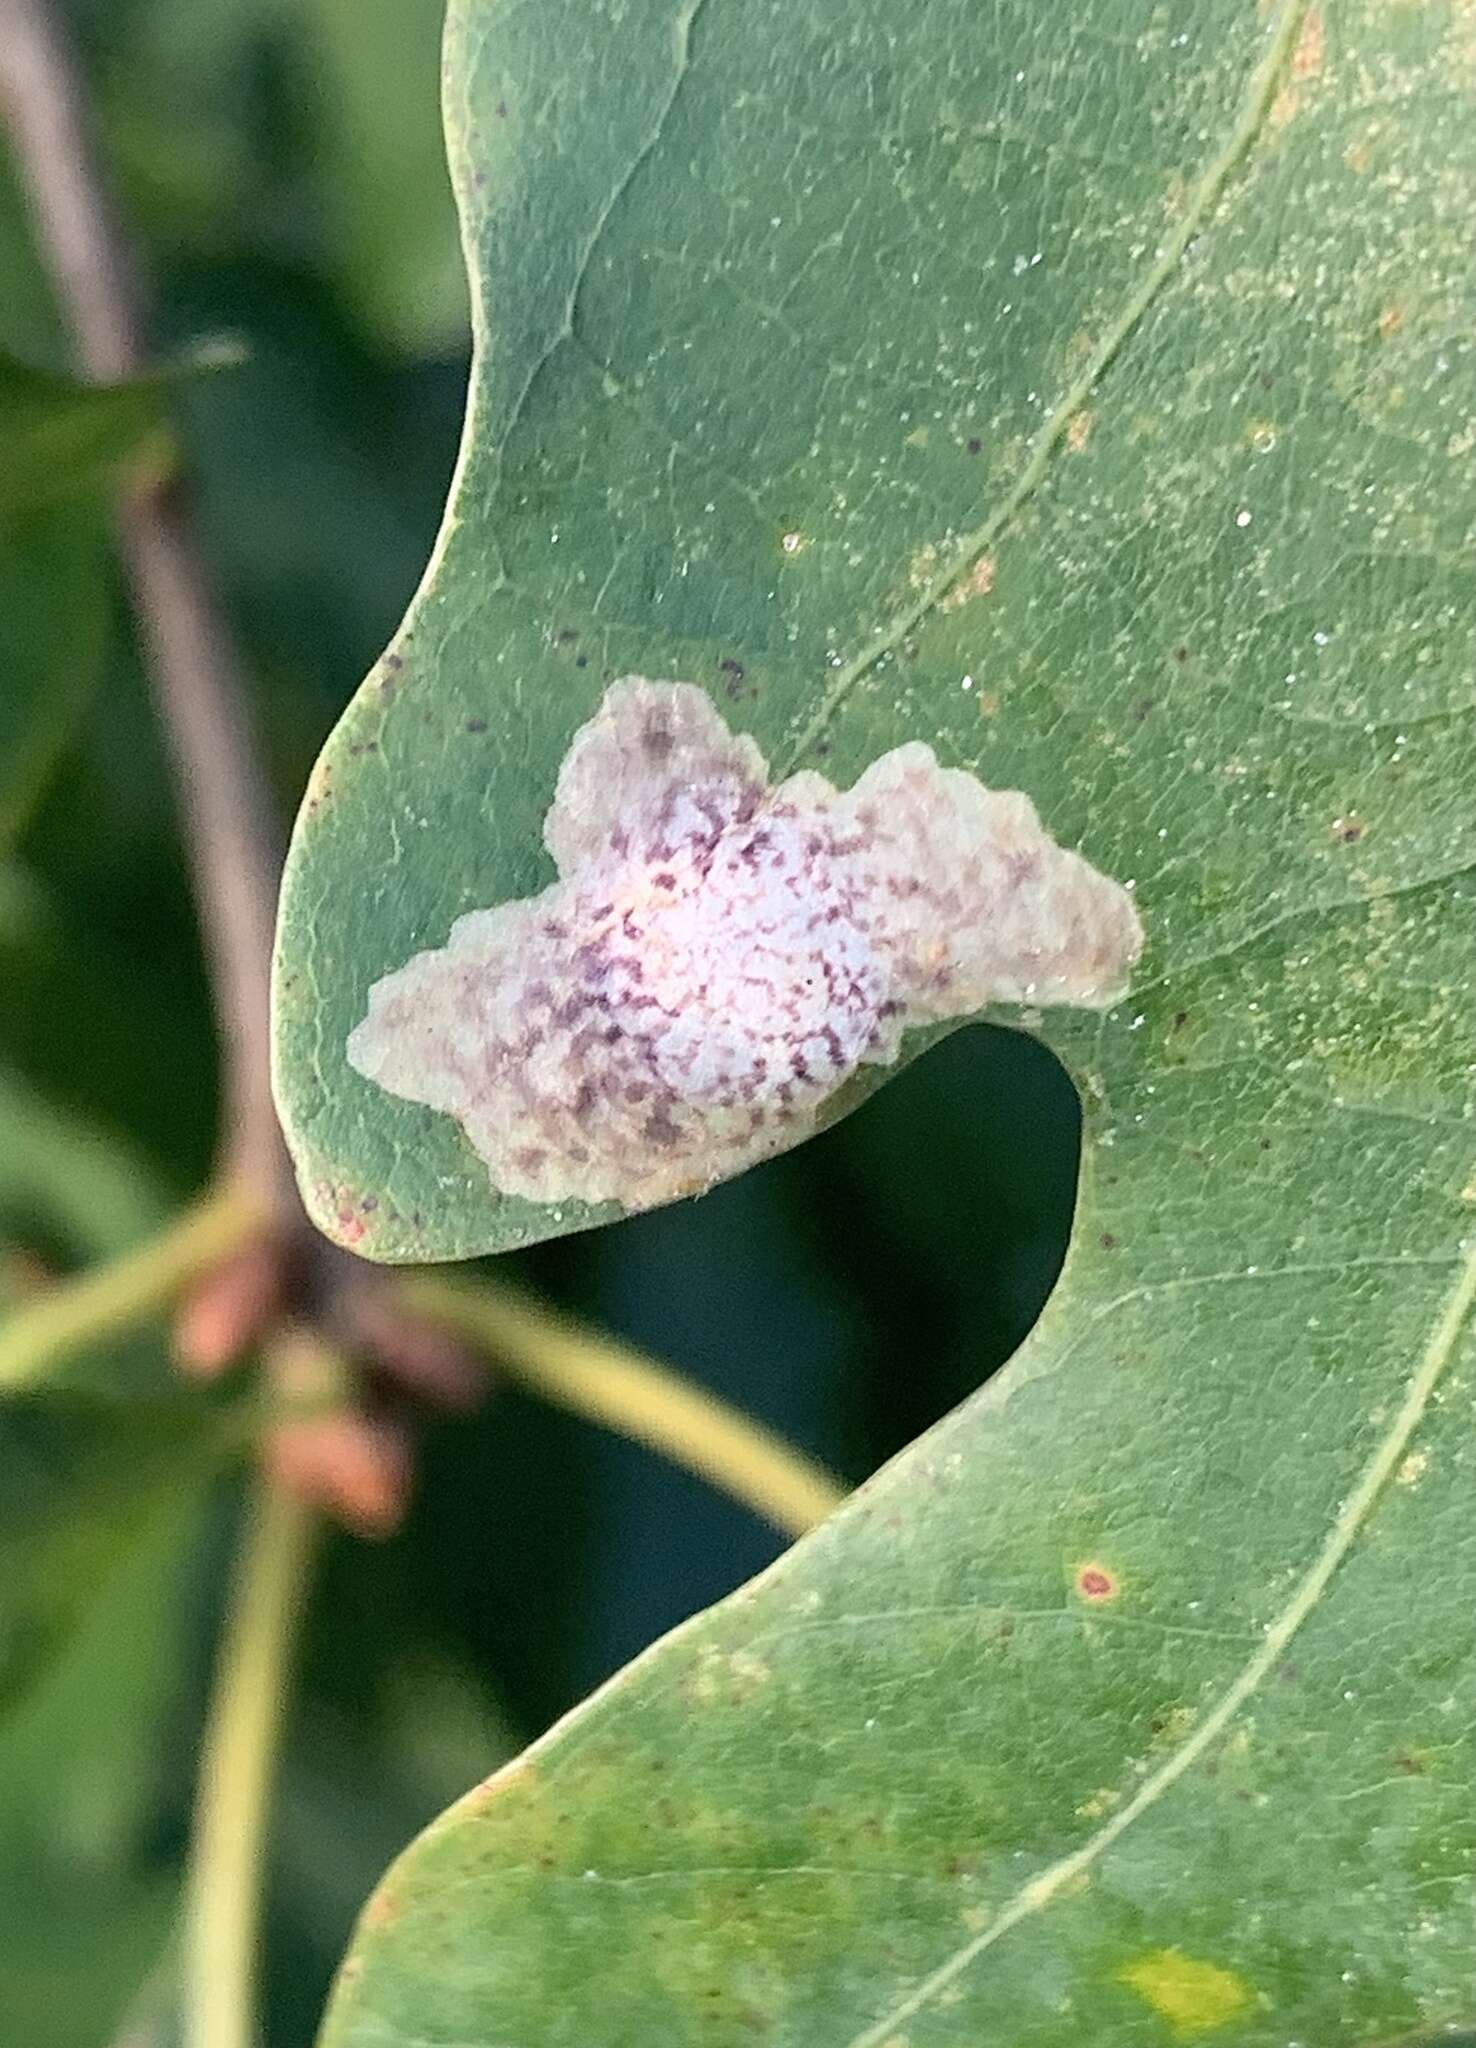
233,840
276,1276
231,829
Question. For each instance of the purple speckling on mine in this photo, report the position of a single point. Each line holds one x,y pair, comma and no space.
782,934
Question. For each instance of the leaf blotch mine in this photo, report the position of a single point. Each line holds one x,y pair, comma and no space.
721,953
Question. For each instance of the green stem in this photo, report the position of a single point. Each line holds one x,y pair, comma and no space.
113,1299
237,1767
606,1383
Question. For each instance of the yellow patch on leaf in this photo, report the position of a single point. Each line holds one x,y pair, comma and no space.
1193,1996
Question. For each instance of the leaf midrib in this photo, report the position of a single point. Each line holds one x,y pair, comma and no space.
1206,191
1259,90
1042,1890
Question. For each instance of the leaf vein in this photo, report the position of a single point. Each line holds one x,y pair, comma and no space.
1332,906
1044,1889
682,27
1206,192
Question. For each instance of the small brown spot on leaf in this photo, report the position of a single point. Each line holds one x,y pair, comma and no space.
1307,56
977,583
1079,431
733,673
383,1908
1306,65
1096,1583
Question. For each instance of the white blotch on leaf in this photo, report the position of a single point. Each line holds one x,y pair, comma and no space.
719,954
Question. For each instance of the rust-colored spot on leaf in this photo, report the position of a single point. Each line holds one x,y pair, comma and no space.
978,583
1306,65
383,1908
1096,1583
1307,56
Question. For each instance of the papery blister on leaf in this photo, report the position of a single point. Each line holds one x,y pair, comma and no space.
719,954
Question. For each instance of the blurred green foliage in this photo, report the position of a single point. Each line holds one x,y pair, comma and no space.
280,162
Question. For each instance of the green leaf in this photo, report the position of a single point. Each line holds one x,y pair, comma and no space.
89,1897
62,1177
55,580
71,1195
81,1479
100,1513
63,445
61,440
1132,1704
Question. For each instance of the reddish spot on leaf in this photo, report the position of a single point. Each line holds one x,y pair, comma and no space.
1095,1583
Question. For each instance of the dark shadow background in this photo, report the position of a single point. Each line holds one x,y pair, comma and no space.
280,161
